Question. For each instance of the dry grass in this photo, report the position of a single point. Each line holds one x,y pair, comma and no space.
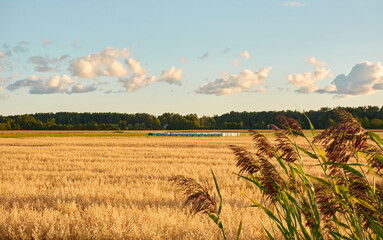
105,187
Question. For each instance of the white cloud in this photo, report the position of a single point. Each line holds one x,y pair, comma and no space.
235,63
307,82
104,63
245,54
27,82
139,79
365,78
172,75
294,4
81,88
313,62
135,66
46,42
245,81
55,84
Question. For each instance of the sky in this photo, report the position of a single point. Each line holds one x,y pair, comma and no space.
189,56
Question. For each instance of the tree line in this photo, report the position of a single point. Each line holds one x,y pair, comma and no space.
371,117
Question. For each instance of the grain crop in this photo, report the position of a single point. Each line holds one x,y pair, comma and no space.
117,187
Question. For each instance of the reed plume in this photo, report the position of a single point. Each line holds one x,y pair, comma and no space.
343,139
197,196
245,161
262,145
290,125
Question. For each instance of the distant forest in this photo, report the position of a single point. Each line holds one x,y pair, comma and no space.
371,117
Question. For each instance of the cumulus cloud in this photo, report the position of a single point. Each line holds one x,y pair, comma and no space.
104,63
140,77
294,4
172,75
245,81
205,55
46,42
313,62
307,82
27,82
55,84
135,66
245,54
81,88
365,78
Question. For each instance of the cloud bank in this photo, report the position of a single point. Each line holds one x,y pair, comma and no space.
245,81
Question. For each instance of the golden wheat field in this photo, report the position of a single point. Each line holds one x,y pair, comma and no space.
102,187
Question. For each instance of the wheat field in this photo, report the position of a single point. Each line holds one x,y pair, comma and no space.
117,187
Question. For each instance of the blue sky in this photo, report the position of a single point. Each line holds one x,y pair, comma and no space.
206,57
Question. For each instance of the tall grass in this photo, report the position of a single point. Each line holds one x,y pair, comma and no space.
344,202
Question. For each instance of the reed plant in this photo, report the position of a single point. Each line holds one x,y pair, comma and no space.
345,201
